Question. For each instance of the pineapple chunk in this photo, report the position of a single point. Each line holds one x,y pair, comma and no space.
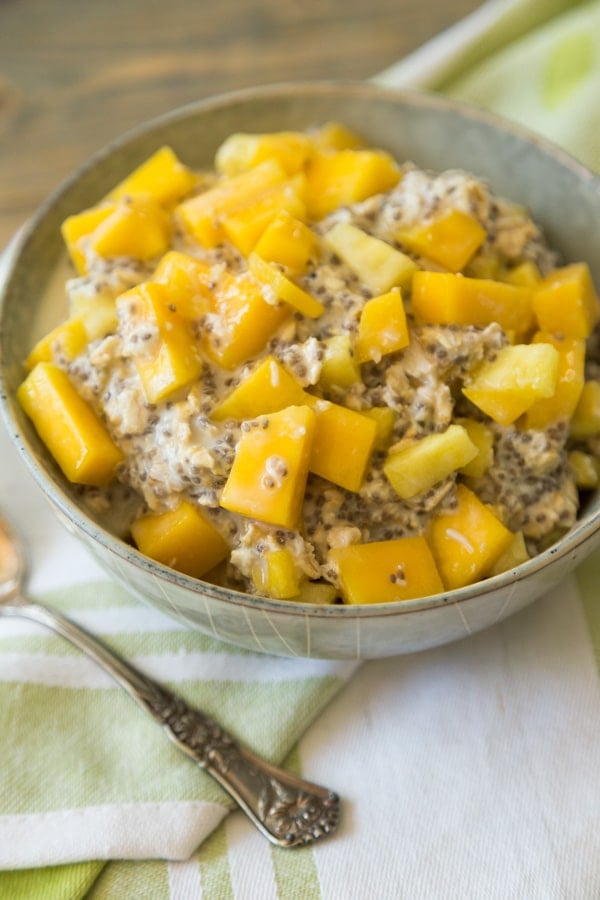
347,176
162,177
268,476
181,538
189,283
519,375
288,242
586,418
376,263
467,541
414,467
483,438
275,575
566,303
282,288
245,225
68,426
76,230
342,446
339,367
268,388
444,298
585,469
335,136
385,419
562,404
515,554
449,241
386,571
139,228
97,312
318,593
65,341
241,151
382,328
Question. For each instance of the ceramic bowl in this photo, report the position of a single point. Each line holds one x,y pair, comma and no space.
434,133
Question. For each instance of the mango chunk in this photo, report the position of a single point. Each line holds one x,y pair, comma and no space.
586,418
565,302
569,384
386,571
189,283
288,242
467,541
526,274
268,476
416,466
282,288
202,215
176,361
374,262
70,429
242,151
245,225
382,328
483,438
444,298
449,241
268,388
335,136
342,446
138,227
275,575
339,367
66,341
519,375
76,228
162,176
347,176
181,538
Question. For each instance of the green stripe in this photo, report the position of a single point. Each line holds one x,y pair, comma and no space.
213,860
52,883
588,580
132,881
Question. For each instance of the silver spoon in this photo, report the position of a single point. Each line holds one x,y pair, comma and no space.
286,809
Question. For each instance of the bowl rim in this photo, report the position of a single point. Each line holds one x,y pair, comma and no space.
585,530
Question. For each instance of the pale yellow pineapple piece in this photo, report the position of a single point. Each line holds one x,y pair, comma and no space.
483,438
339,367
586,418
242,151
416,466
585,469
374,262
515,554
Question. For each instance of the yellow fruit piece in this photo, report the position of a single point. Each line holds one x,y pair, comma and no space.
288,242
526,274
385,419
64,342
243,321
585,469
485,264
586,418
374,262
139,228
75,229
483,438
176,361
162,176
268,476
519,375
515,554
275,575
416,466
70,429
449,241
282,288
268,388
343,443
444,298
189,282
181,538
202,215
386,571
569,384
242,151
317,593
97,312
467,541
335,136
382,327
245,225
339,366
347,176
566,303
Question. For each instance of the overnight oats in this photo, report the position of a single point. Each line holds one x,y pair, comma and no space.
319,374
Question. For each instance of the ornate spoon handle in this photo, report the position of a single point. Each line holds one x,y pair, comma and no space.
288,810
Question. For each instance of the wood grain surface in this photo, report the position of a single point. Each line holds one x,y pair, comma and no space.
76,73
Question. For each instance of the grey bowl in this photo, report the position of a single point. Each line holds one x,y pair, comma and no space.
562,196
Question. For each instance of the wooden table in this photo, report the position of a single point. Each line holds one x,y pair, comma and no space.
74,74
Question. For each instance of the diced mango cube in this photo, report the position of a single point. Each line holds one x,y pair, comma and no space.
68,426
342,446
242,151
467,541
282,288
339,366
335,136
189,282
569,384
565,302
268,477
65,341
75,229
508,385
245,224
416,466
162,176
347,176
268,388
483,438
374,262
450,241
275,575
515,554
288,242
176,361
385,419
444,298
181,538
138,227
586,418
386,571
382,328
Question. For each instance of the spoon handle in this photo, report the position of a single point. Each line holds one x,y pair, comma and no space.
287,810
